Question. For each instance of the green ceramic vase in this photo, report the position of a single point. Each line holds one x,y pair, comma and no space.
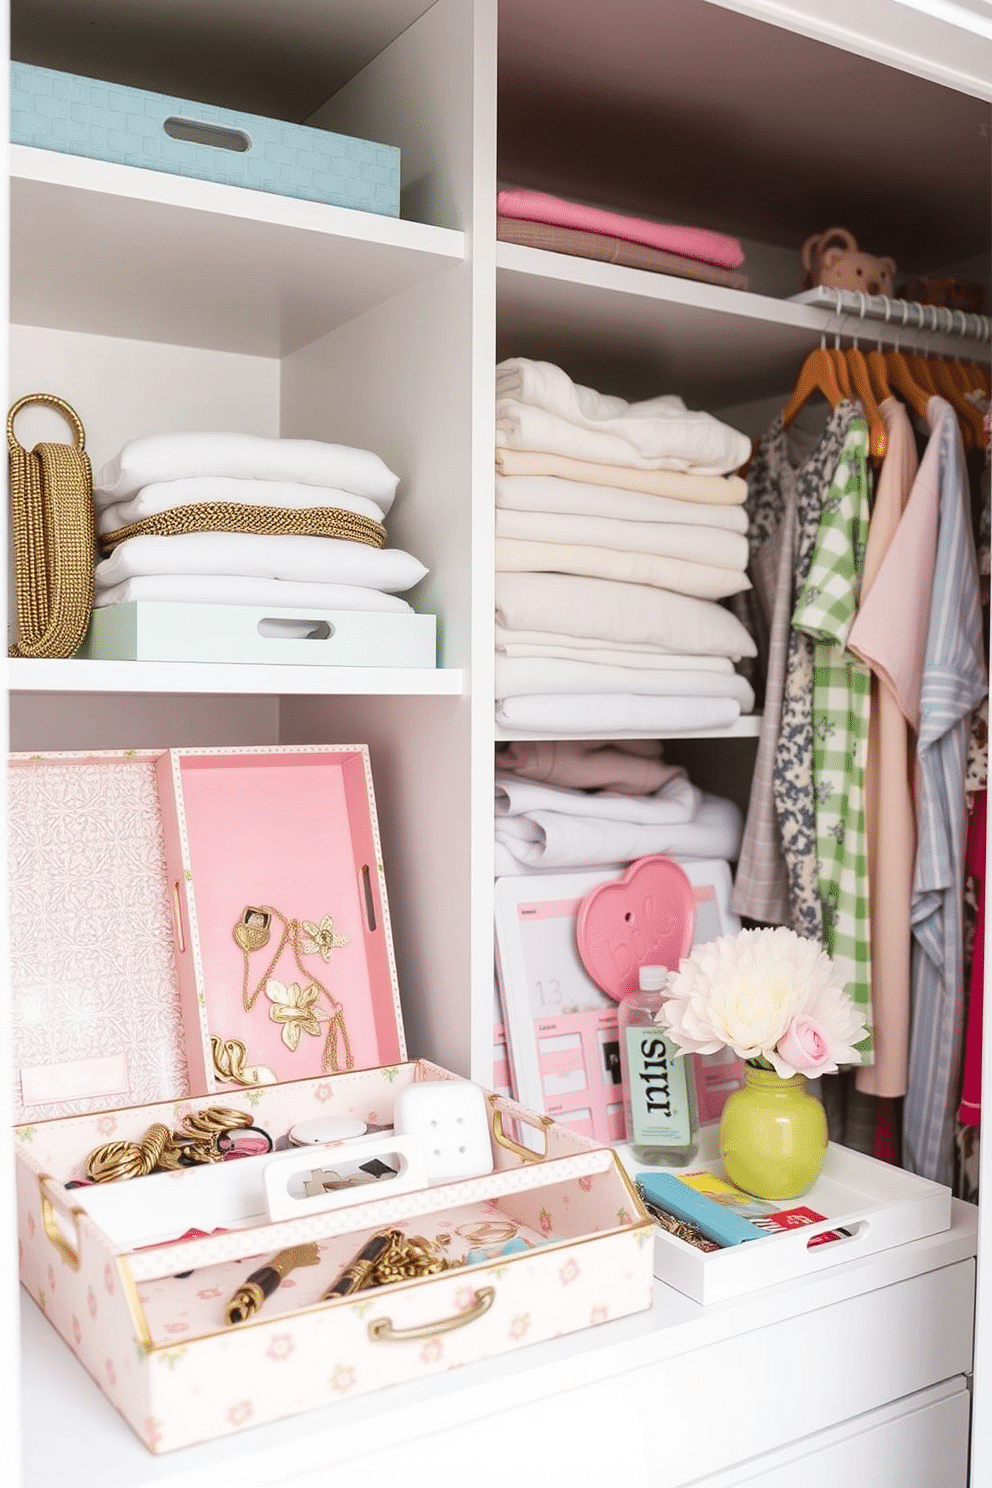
773,1136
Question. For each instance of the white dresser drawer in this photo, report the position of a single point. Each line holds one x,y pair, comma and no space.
851,1377
921,1442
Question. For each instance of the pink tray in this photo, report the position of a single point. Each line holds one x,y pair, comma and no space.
129,873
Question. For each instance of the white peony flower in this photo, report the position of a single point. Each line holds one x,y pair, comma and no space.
744,991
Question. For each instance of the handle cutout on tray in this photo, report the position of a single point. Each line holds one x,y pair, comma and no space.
369,901
199,132
846,1236
283,628
177,912
381,1330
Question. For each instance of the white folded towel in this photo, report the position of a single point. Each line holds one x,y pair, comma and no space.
709,545
596,715
551,493
680,485
619,613
679,575
676,802
549,642
225,589
556,839
648,657
309,560
308,462
517,676
163,496
539,407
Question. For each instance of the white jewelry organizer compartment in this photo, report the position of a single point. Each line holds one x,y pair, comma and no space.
176,886
877,1205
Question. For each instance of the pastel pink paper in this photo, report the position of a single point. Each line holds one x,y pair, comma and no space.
691,242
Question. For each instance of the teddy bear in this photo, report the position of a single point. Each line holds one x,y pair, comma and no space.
833,258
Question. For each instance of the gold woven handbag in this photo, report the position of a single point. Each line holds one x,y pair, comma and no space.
53,536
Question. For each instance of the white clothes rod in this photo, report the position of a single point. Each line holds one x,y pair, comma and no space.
905,321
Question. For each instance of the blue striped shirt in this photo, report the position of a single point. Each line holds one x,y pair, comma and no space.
954,682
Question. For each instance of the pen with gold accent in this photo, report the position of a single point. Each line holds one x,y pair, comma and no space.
262,1283
359,1271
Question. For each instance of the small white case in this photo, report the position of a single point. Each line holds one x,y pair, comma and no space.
452,1120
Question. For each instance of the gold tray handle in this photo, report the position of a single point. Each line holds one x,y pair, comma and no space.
381,1330
500,1107
50,1221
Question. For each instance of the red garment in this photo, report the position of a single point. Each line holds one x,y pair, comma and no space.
970,1113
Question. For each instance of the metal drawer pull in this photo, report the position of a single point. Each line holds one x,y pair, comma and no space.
381,1330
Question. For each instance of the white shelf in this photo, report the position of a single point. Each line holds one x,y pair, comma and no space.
747,727
94,1448
701,339
120,251
25,674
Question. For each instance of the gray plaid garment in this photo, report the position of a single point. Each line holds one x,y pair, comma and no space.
776,879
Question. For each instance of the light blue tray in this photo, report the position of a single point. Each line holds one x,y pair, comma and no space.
106,121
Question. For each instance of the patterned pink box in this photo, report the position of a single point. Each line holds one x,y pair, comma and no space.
130,873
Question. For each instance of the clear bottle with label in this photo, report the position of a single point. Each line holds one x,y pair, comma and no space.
659,1086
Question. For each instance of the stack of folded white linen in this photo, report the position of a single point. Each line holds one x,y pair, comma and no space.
546,827
239,519
619,528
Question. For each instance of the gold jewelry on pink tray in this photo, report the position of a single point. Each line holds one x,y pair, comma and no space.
295,1005
487,1232
386,1257
231,1064
163,1151
252,930
262,1283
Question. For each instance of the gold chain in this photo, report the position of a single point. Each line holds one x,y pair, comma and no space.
266,521
407,1257
160,1150
248,933
52,534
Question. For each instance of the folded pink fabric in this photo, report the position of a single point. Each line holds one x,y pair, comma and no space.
689,242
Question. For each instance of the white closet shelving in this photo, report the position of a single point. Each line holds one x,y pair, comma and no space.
699,337
27,675
151,301
197,263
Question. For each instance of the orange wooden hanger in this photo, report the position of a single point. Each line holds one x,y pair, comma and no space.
878,376
841,368
878,434
972,424
816,375
961,378
901,378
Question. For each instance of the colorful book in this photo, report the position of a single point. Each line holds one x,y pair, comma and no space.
721,1213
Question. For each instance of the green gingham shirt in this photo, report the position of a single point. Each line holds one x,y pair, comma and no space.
826,610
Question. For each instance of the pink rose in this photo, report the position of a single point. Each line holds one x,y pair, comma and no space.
805,1046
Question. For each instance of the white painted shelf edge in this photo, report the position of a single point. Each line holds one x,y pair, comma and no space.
561,269
25,674
79,173
746,727
351,1429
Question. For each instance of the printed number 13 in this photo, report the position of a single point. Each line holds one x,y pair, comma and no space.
549,992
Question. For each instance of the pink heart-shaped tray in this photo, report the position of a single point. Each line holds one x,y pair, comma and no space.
646,918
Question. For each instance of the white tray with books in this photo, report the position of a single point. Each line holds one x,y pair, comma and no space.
866,1206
